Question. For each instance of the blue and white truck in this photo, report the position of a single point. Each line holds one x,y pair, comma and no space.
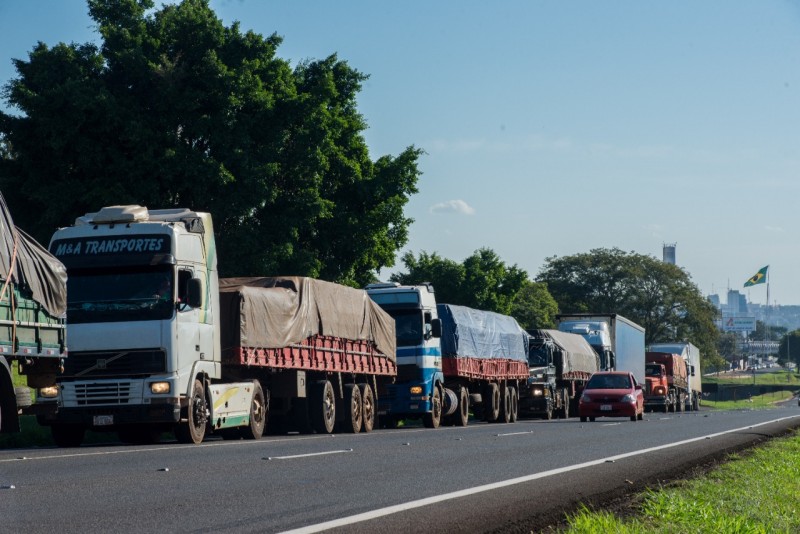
450,359
619,342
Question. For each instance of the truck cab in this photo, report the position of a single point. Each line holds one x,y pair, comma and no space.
142,295
419,353
597,335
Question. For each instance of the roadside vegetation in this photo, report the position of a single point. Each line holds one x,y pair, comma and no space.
753,493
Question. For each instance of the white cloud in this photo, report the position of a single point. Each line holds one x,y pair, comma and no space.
774,229
453,206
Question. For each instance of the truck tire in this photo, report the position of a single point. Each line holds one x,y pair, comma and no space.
322,407
564,413
67,436
259,413
462,415
23,395
354,414
433,418
193,430
514,405
505,404
695,402
368,401
491,402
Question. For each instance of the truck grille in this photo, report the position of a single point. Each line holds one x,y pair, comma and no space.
101,393
114,363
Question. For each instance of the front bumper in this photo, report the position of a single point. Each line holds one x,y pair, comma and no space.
607,409
121,415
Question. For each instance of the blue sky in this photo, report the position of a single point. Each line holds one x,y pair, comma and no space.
552,128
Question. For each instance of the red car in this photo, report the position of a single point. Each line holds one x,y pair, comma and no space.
611,394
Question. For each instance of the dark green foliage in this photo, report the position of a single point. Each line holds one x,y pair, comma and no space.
658,296
482,281
177,110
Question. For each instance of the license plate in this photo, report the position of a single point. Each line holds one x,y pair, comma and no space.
103,420
605,408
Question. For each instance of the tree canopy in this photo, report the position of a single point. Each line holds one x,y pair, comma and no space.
658,296
174,109
482,281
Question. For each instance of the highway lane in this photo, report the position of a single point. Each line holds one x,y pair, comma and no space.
290,482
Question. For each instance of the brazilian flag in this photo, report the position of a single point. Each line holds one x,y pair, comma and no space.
759,278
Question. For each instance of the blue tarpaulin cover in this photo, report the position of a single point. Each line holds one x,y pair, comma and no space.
471,333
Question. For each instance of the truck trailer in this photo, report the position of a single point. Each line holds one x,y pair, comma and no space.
158,343
666,385
560,365
441,375
32,327
619,342
691,355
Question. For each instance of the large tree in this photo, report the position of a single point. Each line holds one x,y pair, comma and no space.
174,109
481,281
659,296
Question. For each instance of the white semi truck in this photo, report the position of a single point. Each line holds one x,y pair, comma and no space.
159,343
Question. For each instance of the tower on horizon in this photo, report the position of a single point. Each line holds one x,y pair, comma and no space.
669,253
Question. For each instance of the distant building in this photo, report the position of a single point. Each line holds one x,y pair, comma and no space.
714,299
669,253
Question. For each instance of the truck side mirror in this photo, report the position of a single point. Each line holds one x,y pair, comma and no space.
692,366
436,327
194,293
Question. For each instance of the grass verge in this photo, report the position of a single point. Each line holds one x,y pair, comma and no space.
752,494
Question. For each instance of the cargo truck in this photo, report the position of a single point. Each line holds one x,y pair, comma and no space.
691,355
560,365
450,359
619,342
666,385
32,328
159,343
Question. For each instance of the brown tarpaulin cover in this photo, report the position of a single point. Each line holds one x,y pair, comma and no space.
34,268
274,312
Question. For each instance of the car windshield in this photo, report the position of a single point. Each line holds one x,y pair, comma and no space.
609,382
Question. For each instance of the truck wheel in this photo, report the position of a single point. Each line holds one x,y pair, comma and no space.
564,404
514,405
259,411
433,418
505,405
695,403
368,401
354,418
491,402
23,395
322,408
194,429
462,415
548,411
67,436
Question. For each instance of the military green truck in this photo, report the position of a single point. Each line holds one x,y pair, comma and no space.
33,300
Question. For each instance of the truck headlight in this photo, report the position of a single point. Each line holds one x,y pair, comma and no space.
159,388
49,392
415,390
538,392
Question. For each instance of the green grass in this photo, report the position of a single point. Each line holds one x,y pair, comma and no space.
756,494
775,378
766,400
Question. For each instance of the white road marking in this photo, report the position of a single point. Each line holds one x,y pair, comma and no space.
611,424
307,455
381,512
514,433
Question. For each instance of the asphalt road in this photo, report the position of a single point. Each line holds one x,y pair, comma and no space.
505,478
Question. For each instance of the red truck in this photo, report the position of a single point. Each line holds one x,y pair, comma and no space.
666,384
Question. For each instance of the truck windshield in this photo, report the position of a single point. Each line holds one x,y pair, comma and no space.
539,354
408,325
653,370
129,294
